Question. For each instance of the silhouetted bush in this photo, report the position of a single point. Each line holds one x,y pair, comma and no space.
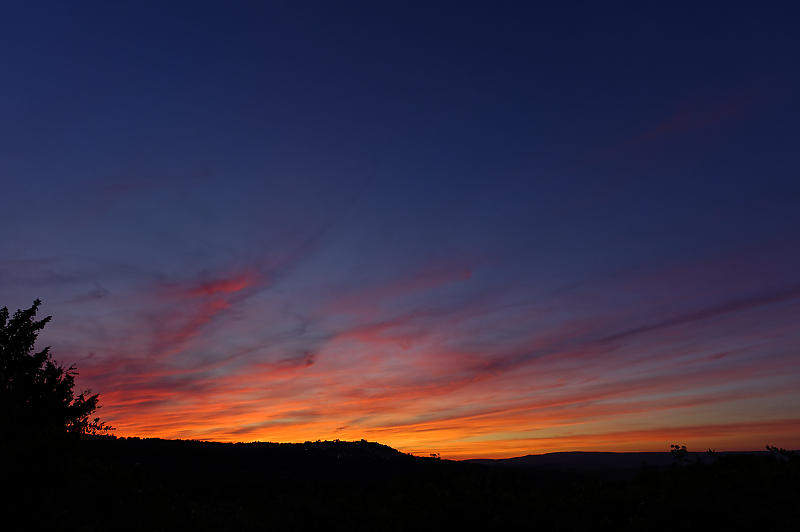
36,393
679,452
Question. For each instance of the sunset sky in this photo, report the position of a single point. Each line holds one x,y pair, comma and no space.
479,230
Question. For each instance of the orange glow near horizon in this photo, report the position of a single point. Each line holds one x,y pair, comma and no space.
477,232
425,381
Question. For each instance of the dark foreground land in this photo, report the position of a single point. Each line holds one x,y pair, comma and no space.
103,483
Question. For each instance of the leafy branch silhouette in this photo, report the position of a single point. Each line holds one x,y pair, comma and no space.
37,393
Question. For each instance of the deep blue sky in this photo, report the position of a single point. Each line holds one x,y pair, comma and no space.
406,203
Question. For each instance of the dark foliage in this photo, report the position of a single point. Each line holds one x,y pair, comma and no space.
679,452
96,482
36,393
151,484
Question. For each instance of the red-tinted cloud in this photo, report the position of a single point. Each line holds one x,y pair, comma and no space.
474,377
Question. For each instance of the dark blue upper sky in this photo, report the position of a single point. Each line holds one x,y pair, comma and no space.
350,165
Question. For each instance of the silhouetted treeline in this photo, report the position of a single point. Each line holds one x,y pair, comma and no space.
106,483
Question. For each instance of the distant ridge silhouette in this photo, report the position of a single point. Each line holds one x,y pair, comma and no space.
595,461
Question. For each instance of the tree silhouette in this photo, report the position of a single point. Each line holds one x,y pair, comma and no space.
36,393
679,452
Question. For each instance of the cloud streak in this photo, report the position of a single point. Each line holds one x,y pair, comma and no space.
435,356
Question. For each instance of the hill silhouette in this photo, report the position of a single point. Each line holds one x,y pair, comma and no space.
65,474
605,461
103,482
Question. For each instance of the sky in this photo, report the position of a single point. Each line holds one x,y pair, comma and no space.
476,229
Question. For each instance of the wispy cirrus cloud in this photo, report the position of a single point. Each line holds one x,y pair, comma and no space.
423,359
